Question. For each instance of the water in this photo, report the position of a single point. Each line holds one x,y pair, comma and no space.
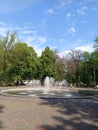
48,90
46,85
50,94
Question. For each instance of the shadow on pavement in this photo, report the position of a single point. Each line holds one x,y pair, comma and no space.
1,111
74,114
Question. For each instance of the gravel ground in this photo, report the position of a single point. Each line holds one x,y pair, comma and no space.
48,114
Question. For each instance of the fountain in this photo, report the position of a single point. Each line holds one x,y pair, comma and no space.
51,89
46,85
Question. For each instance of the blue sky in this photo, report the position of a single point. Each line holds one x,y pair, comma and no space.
60,24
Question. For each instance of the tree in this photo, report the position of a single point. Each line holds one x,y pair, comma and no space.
24,60
94,62
1,60
73,63
85,68
6,45
33,64
48,65
96,44
60,62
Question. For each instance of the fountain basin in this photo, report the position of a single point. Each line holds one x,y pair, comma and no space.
52,93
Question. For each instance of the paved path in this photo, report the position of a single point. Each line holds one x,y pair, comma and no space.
48,114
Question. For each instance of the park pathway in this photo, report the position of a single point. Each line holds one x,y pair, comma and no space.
48,114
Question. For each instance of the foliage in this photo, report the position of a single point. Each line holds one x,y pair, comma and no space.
60,63
82,68
24,60
96,44
73,63
48,64
6,45
19,62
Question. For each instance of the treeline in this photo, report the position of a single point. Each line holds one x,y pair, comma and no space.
82,68
19,62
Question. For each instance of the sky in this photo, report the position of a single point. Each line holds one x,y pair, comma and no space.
63,25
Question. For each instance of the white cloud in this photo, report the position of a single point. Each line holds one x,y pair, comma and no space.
64,53
29,39
36,39
27,34
87,47
3,23
19,30
50,11
38,49
42,39
59,6
68,15
72,30
3,30
82,11
37,42
68,18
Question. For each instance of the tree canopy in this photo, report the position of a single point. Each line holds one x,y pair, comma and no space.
19,62
96,44
48,64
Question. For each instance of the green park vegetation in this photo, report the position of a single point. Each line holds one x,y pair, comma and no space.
19,62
